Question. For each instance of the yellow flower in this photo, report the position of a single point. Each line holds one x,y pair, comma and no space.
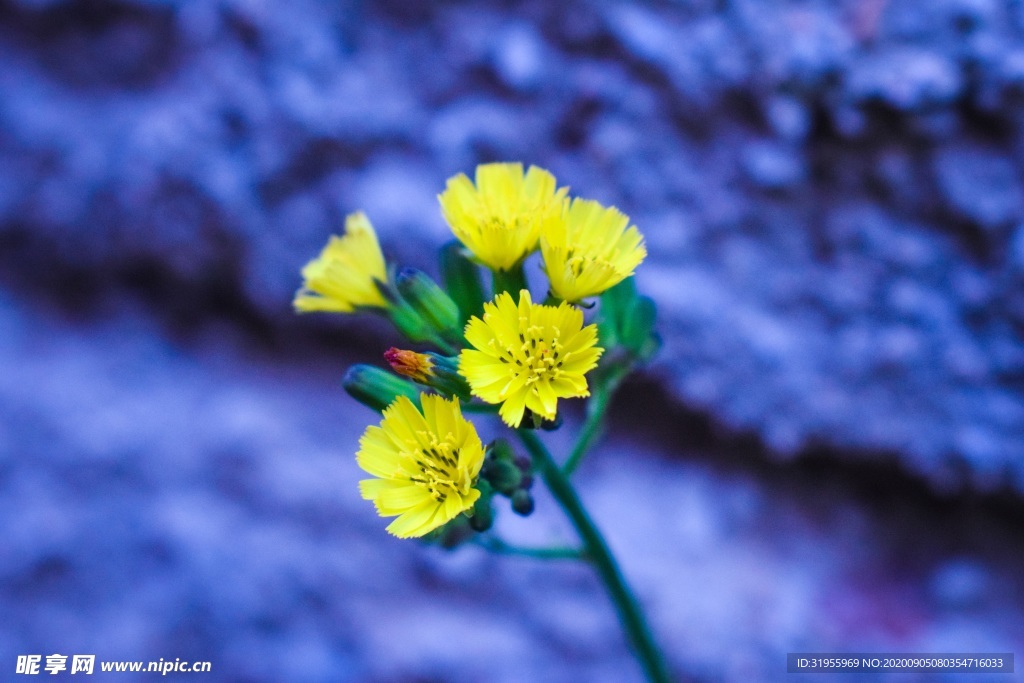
528,356
346,273
425,464
589,250
499,219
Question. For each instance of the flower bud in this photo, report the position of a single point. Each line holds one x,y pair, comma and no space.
429,300
376,388
451,535
501,449
447,378
534,420
416,366
408,321
522,503
503,476
482,516
430,369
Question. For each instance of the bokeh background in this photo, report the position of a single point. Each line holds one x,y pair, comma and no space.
827,456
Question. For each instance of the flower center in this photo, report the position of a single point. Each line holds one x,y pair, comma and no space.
536,357
493,223
438,469
578,263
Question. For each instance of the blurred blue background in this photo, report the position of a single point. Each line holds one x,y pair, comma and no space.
827,456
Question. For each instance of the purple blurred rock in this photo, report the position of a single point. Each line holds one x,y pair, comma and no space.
832,195
199,501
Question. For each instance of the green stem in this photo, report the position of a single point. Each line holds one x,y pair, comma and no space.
511,281
480,407
597,551
593,426
496,545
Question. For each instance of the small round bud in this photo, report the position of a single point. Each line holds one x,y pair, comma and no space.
503,476
451,535
532,420
500,449
522,503
552,425
481,521
482,516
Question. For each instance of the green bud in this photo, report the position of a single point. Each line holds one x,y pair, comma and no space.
482,514
552,425
376,388
409,322
451,535
461,279
532,420
500,449
430,369
522,503
523,462
429,300
504,476
405,318
447,378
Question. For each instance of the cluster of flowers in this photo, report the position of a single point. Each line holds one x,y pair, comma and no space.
503,352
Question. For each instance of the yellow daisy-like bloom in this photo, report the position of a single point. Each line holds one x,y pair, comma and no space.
499,218
346,273
425,464
589,249
528,356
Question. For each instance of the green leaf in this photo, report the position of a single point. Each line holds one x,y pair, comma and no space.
638,325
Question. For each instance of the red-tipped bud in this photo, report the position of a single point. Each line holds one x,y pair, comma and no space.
416,366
